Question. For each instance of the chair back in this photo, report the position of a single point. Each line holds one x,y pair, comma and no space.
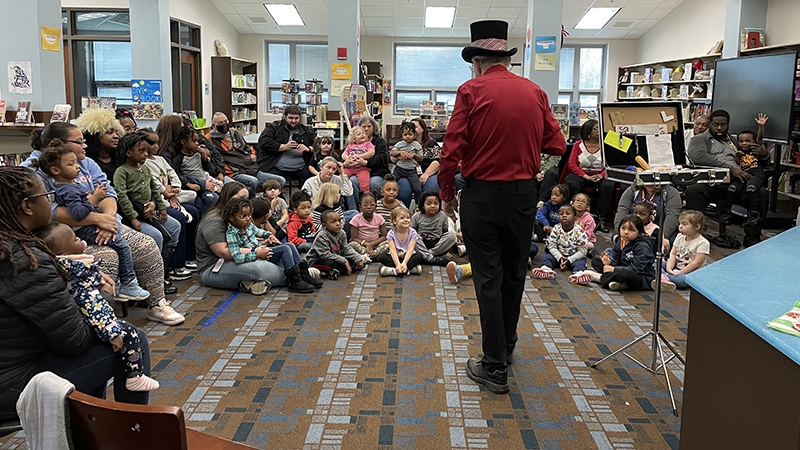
98,424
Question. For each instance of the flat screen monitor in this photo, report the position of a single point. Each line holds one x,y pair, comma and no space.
748,86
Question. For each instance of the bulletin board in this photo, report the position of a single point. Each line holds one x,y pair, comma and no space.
631,119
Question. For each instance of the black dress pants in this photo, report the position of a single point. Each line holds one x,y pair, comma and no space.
497,221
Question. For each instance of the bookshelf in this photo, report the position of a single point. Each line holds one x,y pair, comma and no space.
374,84
676,89
234,91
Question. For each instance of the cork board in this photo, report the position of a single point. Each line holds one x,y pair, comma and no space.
640,113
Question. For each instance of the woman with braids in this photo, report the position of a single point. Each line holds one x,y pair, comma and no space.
101,132
146,257
41,328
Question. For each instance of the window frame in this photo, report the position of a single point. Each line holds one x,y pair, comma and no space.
432,89
292,72
179,47
70,39
575,93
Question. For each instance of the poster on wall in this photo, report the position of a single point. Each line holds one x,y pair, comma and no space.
387,92
545,44
148,101
19,77
545,61
51,39
341,71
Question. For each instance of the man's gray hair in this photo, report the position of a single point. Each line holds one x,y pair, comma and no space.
217,114
486,61
365,119
701,116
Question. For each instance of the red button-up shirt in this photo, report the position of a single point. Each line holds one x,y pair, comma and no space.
500,125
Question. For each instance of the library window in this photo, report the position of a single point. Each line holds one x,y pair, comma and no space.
427,72
186,66
580,75
299,61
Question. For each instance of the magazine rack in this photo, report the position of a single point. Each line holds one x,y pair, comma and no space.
344,115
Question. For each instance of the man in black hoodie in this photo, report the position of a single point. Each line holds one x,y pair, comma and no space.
286,147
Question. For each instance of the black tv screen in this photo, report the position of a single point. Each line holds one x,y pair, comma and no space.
758,84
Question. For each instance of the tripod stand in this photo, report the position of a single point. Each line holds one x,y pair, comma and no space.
657,353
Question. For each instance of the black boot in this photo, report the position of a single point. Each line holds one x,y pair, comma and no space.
166,256
752,218
296,283
726,217
317,283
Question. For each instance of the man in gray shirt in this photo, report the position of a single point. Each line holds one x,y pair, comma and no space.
716,148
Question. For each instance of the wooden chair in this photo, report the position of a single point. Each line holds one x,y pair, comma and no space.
101,424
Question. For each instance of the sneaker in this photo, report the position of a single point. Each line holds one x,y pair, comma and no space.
132,291
439,261
169,289
539,205
497,383
454,271
617,286
366,259
332,274
753,218
666,285
580,278
259,287
179,274
165,314
191,266
314,272
417,270
387,271
594,276
462,250
544,273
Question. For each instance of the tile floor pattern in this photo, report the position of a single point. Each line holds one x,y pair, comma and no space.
378,363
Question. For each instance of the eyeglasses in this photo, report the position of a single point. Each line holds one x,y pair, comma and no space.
51,197
80,142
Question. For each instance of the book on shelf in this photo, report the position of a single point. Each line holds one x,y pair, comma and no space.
648,75
575,113
666,74
61,113
2,111
24,113
752,38
687,72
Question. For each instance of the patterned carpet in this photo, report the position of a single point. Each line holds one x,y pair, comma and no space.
378,363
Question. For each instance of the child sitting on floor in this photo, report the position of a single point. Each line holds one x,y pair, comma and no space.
631,266
368,230
581,202
646,211
262,218
97,313
403,257
328,197
330,252
689,252
388,201
568,246
280,210
243,245
300,230
547,217
432,226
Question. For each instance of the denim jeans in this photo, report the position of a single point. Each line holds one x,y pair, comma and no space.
254,182
230,274
285,253
204,201
374,185
126,272
679,280
404,188
304,247
172,226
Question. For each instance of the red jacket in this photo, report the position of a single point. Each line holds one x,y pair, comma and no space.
500,125
300,231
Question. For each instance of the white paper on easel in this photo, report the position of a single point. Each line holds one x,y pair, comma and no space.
659,150
641,129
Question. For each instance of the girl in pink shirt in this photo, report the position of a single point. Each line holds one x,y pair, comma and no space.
581,203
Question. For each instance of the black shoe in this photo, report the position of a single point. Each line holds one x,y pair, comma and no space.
307,276
726,218
496,383
169,290
331,274
296,283
178,275
602,227
752,219
440,261
167,282
749,241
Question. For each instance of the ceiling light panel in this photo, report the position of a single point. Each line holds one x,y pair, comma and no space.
596,18
439,16
284,14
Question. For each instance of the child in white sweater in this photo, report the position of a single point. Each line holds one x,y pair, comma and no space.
568,247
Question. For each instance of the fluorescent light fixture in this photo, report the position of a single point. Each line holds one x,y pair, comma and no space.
596,18
439,16
284,14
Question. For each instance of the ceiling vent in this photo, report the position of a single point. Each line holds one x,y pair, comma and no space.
623,24
258,19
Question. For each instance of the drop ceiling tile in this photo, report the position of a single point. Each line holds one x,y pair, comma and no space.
381,31
243,29
378,22
249,9
372,3
646,24
635,34
408,11
408,22
291,29
408,32
438,32
315,20
582,34
606,33
659,13
311,9
515,33
613,3
377,11
670,3
461,33
504,13
225,8
236,19
474,3
441,3
633,13
625,24
504,3
472,12
318,30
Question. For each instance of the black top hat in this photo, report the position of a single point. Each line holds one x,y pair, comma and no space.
489,38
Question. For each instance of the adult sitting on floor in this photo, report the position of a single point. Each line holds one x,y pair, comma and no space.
240,161
286,147
255,277
41,327
717,148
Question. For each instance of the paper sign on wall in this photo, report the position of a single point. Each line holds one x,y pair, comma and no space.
545,61
19,77
51,39
341,71
148,100
336,87
613,139
545,44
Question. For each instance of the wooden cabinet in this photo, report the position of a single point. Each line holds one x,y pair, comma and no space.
234,91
